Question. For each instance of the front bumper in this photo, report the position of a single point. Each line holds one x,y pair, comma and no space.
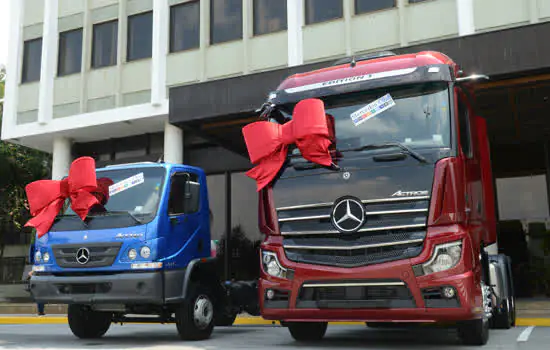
120,288
388,292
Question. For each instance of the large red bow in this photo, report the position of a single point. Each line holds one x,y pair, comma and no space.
46,197
267,142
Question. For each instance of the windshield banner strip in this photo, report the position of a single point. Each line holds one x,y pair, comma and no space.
351,80
372,109
126,184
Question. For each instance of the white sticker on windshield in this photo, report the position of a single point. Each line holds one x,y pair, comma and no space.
126,184
372,109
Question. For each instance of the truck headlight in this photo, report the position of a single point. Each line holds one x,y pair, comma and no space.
46,257
132,254
445,257
145,252
37,256
272,266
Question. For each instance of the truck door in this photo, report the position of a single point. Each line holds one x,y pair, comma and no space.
186,237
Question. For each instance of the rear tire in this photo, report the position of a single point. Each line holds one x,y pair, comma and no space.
88,324
195,317
307,331
474,332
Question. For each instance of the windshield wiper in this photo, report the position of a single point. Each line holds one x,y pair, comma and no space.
122,212
405,149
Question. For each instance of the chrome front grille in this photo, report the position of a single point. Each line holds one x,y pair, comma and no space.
101,254
395,229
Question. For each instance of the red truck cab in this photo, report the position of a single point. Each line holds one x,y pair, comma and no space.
399,231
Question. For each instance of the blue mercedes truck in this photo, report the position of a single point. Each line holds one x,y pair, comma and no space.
144,257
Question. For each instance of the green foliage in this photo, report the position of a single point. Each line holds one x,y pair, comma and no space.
19,166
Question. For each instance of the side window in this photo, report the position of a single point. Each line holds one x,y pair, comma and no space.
464,125
184,194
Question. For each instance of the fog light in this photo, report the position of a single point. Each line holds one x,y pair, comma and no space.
449,292
132,254
270,294
37,256
46,257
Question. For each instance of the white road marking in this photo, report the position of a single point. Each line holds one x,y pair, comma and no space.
524,336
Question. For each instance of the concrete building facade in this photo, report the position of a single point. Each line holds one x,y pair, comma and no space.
136,80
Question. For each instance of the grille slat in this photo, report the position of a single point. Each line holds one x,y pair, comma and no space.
395,229
355,294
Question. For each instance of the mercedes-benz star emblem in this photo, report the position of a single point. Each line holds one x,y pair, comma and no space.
348,214
82,256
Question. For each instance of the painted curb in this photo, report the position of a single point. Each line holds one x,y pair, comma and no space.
247,321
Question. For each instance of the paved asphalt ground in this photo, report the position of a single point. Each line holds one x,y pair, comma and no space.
143,337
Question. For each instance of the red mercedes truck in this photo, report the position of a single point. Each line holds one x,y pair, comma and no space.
401,227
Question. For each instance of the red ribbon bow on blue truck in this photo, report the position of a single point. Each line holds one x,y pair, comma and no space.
46,197
267,142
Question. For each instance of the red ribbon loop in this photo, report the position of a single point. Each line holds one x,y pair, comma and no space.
267,142
46,197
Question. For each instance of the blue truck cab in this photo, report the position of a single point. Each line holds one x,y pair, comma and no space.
146,251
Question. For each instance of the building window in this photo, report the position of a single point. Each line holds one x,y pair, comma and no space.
323,10
32,59
269,16
104,46
140,36
70,52
226,20
185,26
365,6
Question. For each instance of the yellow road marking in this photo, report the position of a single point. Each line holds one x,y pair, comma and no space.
251,321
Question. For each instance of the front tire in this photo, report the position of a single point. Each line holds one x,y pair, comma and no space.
474,332
88,324
503,320
225,320
195,317
307,331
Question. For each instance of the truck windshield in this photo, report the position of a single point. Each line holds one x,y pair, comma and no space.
132,192
416,116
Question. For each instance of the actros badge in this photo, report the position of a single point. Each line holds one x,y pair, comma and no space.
348,214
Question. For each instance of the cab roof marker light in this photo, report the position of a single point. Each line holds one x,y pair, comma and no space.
473,77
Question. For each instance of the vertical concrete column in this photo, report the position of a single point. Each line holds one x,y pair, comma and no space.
160,50
402,11
49,60
62,157
349,7
204,37
173,144
533,11
86,57
248,32
121,49
465,13
295,22
13,68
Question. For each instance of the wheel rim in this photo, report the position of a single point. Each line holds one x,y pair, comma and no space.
203,312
